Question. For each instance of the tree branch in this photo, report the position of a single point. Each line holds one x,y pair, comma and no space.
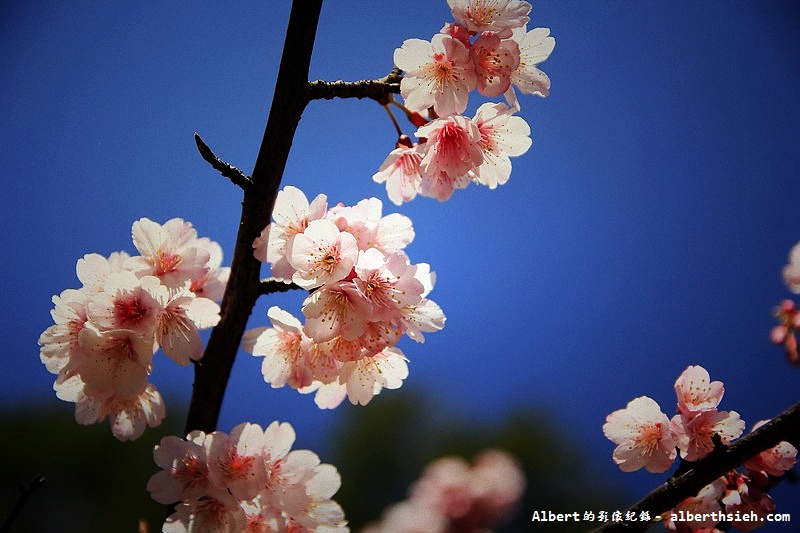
25,492
244,286
226,169
375,89
270,286
784,427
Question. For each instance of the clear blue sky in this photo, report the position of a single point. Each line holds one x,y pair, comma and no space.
644,231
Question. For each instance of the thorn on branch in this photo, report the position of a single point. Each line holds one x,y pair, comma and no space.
231,172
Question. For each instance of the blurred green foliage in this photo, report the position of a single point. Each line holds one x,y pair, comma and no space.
95,483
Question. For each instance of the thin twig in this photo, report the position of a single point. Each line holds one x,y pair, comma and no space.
25,492
226,169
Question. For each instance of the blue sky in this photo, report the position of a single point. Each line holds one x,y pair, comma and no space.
644,230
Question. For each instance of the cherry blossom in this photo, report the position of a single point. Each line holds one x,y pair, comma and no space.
401,173
643,436
179,322
502,135
105,334
495,60
776,461
322,254
693,435
169,252
452,146
495,16
291,214
785,333
93,269
117,362
696,392
249,478
706,502
59,342
285,349
791,272
211,285
452,495
535,46
126,302
439,74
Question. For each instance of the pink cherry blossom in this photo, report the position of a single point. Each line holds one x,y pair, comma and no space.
438,74
234,461
490,15
212,285
59,342
744,497
452,495
693,435
791,272
410,516
401,173
184,469
214,515
785,334
643,436
117,362
128,417
169,252
291,215
285,349
92,269
503,135
332,311
126,302
775,461
322,254
495,60
366,377
706,502
696,392
534,47
452,146
386,284
179,322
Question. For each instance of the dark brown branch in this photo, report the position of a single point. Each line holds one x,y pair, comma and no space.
226,169
290,99
270,286
784,427
375,89
25,492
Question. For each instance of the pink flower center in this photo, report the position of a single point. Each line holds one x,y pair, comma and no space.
167,262
128,312
191,472
235,466
649,438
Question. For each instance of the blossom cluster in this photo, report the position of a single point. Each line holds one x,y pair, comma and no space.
785,333
452,497
488,49
106,333
248,480
364,296
647,438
